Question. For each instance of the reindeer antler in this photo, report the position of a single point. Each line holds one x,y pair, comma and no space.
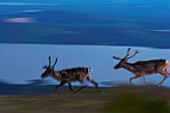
126,57
117,58
49,61
54,63
133,54
127,53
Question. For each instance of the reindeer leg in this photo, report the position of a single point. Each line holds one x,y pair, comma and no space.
165,77
81,88
144,79
133,78
61,84
96,84
93,82
71,88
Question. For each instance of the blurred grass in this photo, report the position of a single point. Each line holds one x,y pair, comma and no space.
120,99
129,103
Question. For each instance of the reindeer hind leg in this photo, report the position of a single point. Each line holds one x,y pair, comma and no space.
81,88
135,77
93,82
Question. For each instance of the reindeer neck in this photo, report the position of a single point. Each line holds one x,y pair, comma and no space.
53,73
129,66
56,75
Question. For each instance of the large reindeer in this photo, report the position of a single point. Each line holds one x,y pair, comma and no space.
143,68
68,75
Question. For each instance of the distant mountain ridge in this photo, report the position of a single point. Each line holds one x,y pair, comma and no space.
62,27
61,17
33,88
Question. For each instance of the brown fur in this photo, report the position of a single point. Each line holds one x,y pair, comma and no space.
68,75
143,68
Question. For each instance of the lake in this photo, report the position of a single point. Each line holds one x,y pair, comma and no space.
23,62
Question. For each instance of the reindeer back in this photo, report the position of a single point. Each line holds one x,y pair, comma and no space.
74,74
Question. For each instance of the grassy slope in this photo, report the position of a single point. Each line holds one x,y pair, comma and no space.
121,99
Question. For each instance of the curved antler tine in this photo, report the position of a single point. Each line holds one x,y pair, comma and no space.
136,51
127,52
55,63
117,58
49,61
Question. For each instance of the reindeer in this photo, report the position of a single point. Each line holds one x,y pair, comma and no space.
68,75
143,68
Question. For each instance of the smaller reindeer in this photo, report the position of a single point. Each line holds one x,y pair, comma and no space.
143,68
68,75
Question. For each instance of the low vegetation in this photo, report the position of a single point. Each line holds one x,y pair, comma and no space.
120,99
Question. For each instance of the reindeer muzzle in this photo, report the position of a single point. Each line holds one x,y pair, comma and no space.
42,76
116,67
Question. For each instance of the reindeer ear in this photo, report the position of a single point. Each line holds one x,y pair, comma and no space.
45,67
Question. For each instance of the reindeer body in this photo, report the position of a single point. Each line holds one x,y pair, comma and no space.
73,74
146,67
68,75
143,68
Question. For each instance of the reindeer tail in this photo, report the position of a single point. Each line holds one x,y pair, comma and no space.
90,69
166,69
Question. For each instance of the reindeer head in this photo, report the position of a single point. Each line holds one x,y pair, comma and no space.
48,68
123,60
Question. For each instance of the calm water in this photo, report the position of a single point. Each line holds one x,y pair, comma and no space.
23,62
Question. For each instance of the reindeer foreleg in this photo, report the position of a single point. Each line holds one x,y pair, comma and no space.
69,83
135,77
61,84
